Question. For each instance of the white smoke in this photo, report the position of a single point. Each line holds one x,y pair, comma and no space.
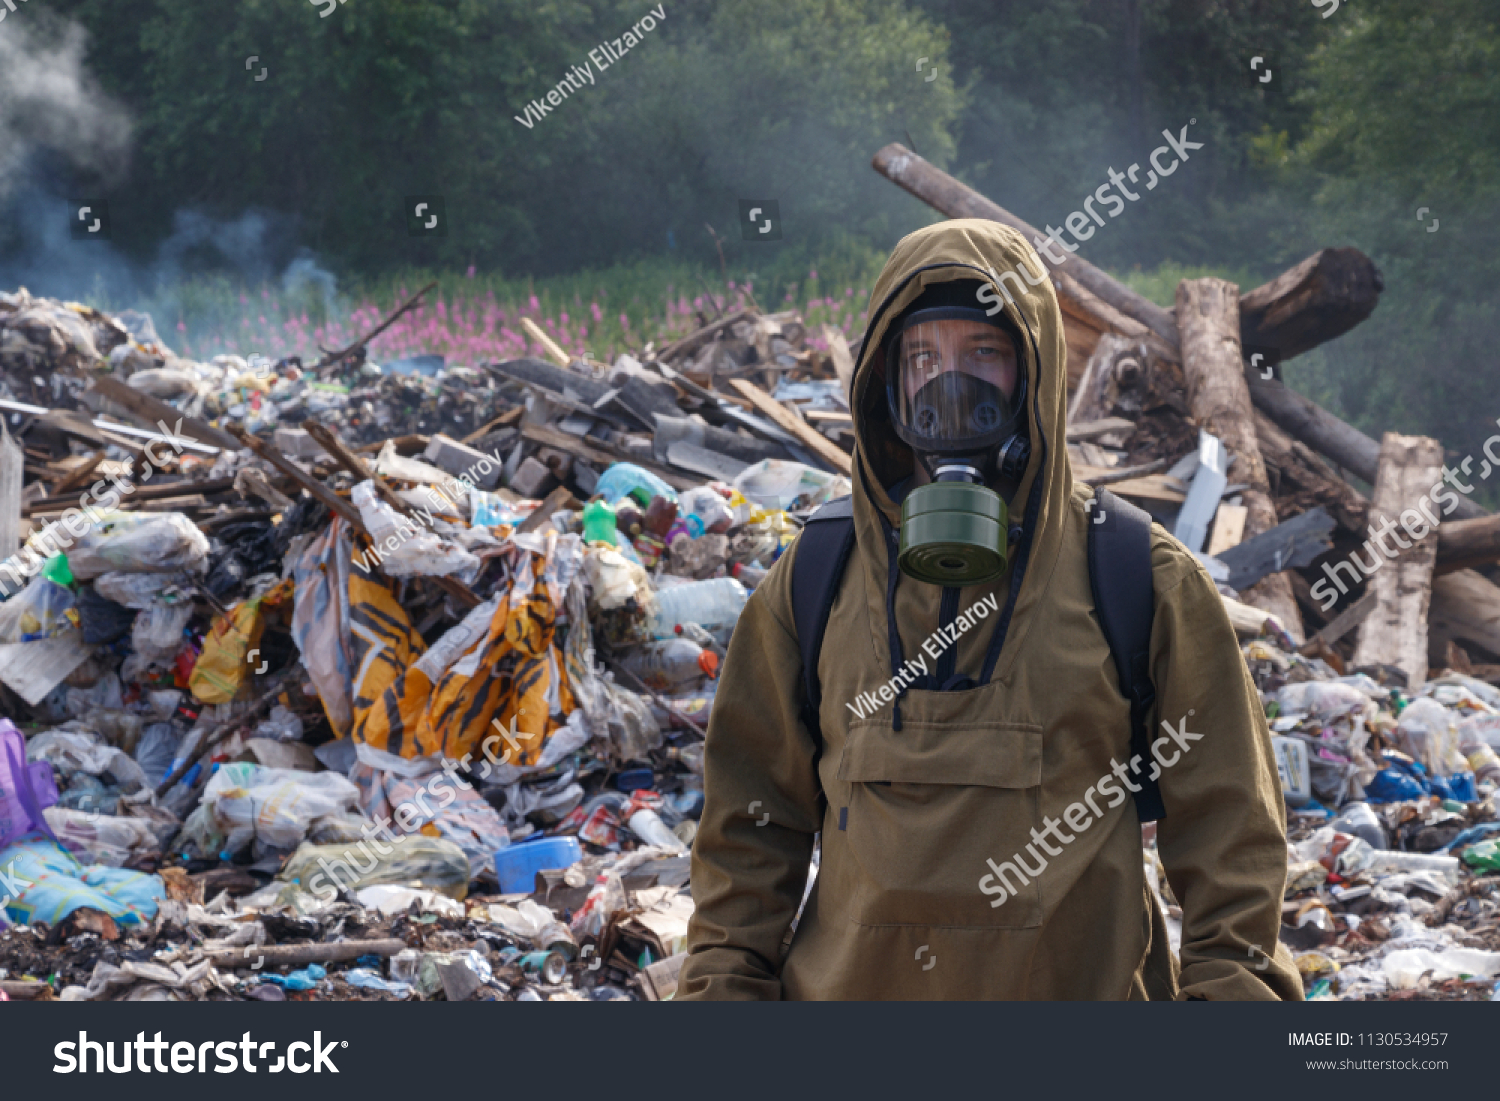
49,101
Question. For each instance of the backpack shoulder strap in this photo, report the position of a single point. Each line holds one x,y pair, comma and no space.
1119,552
822,552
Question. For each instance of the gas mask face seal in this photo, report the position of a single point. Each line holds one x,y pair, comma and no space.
956,389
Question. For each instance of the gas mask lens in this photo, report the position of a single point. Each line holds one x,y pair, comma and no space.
955,379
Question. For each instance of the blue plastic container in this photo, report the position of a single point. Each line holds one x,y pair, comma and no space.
517,865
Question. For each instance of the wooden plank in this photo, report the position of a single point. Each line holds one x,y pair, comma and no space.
788,421
183,488
1092,430
283,955
1229,528
1287,546
559,498
1350,618
600,454
1154,487
149,411
1213,368
1396,632
553,349
843,361
504,420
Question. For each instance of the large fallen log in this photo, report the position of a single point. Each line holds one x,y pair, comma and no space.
941,191
255,957
1465,607
1466,543
1396,631
1321,298
1208,317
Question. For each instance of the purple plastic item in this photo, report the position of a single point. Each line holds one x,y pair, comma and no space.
24,789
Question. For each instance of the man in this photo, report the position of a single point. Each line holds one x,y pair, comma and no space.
972,757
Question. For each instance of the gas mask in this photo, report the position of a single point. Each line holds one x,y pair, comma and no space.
956,387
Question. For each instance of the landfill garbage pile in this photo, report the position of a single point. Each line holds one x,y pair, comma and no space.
1392,829
307,697
388,682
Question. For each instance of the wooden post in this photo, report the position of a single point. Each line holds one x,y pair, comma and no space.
1466,607
1208,314
12,461
1396,632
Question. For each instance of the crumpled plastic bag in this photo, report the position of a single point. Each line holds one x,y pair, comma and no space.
105,839
789,486
1428,731
72,748
275,806
44,609
139,542
407,547
224,665
429,863
319,568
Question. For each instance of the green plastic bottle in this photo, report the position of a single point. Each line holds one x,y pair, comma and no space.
599,522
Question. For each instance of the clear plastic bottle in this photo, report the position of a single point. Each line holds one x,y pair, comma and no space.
715,605
666,665
705,511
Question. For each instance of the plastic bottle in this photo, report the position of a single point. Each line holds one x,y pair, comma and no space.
1388,862
660,515
715,605
749,576
665,665
628,519
648,826
705,511
599,523
1358,819
629,480
1482,759
694,633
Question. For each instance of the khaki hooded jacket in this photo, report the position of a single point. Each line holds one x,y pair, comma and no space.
984,845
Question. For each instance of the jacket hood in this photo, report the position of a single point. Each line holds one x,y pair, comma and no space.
1014,278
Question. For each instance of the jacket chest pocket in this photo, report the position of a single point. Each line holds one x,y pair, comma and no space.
922,811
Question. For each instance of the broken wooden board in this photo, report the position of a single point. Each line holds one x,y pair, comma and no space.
1350,618
11,474
1287,546
1092,430
838,459
553,349
152,413
33,669
1228,529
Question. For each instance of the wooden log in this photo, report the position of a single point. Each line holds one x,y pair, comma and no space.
290,955
938,189
1396,632
1321,298
1465,607
26,990
1466,543
819,444
163,492
1213,368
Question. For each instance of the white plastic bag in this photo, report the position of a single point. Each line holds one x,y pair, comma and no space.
275,806
139,542
407,547
776,483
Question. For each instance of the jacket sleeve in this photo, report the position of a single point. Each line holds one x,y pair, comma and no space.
748,878
1223,841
